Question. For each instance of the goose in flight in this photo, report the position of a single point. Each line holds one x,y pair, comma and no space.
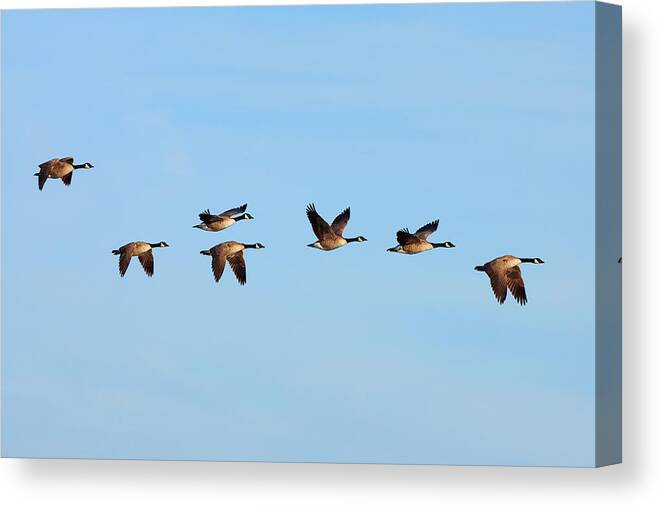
232,252
140,249
221,221
329,237
59,168
504,273
417,242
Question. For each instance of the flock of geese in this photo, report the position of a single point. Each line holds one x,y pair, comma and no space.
503,272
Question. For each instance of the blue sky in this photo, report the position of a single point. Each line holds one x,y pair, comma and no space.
479,115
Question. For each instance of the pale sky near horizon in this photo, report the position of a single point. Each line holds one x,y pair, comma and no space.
480,115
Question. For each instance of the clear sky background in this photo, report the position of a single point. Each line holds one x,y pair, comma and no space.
479,115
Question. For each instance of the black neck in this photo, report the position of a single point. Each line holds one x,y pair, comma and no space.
78,166
438,245
240,217
155,245
352,240
250,245
526,259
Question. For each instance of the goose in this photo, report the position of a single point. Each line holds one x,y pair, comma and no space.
142,250
215,223
504,273
330,236
59,168
232,252
415,243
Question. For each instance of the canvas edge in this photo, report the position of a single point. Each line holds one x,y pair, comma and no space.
608,234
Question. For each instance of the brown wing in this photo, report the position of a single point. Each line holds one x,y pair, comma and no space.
341,221
238,265
66,179
207,217
234,211
218,265
426,230
320,227
43,176
516,286
404,237
498,280
124,261
47,163
67,160
44,172
147,261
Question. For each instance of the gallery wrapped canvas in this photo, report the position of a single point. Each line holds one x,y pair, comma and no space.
346,234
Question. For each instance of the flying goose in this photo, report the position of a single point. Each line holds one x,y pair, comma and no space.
232,252
215,223
59,168
415,243
330,236
504,273
142,250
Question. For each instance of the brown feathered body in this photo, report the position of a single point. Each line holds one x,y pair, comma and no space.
329,236
231,252
140,249
58,168
504,274
414,243
215,223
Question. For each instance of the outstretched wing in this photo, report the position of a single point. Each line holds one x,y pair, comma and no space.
320,227
498,279
404,237
218,265
43,174
124,261
147,261
516,285
341,221
234,211
426,230
66,179
207,217
238,265
67,160
47,163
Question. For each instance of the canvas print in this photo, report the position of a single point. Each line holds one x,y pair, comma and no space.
345,234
